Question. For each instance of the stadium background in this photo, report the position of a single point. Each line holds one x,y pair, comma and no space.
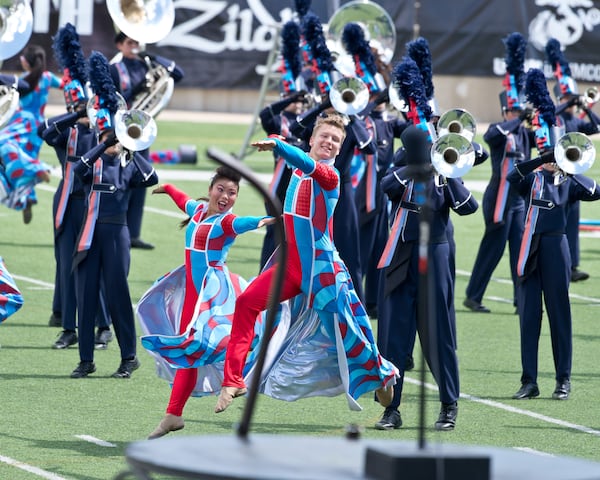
223,45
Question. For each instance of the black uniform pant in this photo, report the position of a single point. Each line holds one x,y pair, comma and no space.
107,259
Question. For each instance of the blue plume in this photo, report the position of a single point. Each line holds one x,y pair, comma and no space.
419,51
302,7
515,45
537,94
409,82
353,39
313,34
102,83
68,53
556,57
290,48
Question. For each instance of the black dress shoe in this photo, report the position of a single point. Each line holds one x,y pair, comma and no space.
562,390
578,275
126,368
139,243
527,390
390,420
65,340
83,370
447,418
475,306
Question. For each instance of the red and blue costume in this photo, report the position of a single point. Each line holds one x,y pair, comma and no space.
10,296
315,270
20,146
187,329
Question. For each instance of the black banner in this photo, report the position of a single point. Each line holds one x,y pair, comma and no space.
224,44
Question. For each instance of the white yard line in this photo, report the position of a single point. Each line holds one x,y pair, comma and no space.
511,409
30,468
96,441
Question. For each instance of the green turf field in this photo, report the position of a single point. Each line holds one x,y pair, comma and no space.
56,427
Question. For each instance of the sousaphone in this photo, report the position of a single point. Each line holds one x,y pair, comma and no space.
147,21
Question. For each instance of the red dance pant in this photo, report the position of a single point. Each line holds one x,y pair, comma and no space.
247,308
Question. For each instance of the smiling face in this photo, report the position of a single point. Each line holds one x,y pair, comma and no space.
326,141
222,196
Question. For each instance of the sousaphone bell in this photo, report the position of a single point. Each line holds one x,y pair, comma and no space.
135,129
574,153
349,95
147,21
452,155
16,26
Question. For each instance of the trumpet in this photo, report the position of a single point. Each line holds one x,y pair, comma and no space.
574,153
452,155
590,97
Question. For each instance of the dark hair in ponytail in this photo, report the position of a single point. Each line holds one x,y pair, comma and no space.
36,58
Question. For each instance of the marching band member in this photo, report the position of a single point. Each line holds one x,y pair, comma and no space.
345,219
503,208
109,174
129,76
71,136
569,99
399,310
371,205
544,264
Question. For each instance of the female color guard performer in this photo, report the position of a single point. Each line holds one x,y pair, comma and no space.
210,290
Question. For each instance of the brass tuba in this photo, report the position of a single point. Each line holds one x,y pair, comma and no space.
147,21
16,26
379,27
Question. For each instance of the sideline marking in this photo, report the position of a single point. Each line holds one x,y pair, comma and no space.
510,409
97,441
533,451
28,468
39,283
